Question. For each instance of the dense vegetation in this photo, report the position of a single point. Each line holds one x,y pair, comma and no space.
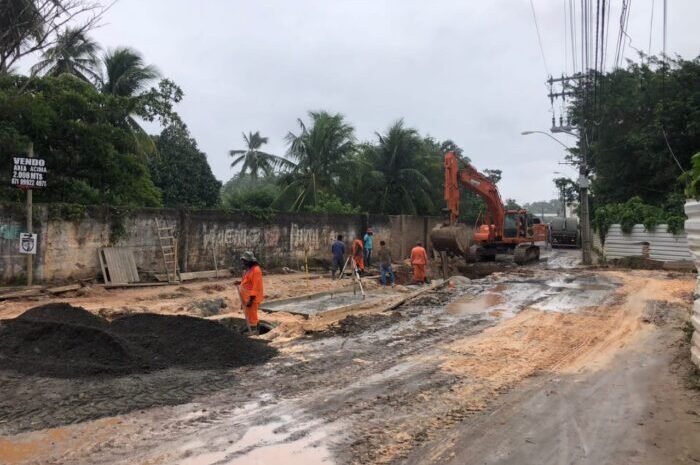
643,127
82,108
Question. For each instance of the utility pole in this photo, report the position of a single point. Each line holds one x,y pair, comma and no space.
30,257
586,242
567,90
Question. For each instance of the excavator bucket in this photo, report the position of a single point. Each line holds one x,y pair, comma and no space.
454,239
526,253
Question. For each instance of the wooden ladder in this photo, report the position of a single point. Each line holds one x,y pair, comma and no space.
168,249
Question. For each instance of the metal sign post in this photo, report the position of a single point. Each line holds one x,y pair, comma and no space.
30,257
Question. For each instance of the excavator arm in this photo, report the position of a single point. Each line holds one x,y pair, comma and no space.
476,182
454,237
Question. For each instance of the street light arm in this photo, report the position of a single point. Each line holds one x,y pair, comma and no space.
527,133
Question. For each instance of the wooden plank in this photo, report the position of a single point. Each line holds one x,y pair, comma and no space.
112,286
67,288
120,266
21,294
205,274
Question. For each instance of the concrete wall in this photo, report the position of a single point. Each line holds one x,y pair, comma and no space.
401,232
67,248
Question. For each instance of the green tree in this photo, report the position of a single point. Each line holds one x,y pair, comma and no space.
511,204
245,192
91,157
642,124
493,175
568,190
126,75
73,53
329,203
254,161
181,170
543,206
395,182
323,153
30,26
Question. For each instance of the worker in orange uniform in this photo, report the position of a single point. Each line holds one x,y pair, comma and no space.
419,258
251,290
358,254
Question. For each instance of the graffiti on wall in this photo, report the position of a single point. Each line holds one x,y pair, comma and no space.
311,238
9,231
243,238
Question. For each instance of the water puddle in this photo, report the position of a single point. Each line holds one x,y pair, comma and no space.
476,304
563,293
281,441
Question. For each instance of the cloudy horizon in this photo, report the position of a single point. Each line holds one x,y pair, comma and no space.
467,71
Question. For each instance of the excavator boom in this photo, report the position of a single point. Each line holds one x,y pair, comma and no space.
476,182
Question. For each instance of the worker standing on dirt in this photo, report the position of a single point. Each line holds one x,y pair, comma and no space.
251,290
368,243
384,256
338,252
419,259
358,254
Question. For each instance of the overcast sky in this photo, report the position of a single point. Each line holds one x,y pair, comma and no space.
470,71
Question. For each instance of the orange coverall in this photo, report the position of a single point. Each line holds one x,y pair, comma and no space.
358,254
419,258
252,286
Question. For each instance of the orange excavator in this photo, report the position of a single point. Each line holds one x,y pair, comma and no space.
502,231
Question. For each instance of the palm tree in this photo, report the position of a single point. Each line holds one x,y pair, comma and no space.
323,154
73,53
399,186
254,160
126,74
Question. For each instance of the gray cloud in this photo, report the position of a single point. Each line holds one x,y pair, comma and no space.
465,70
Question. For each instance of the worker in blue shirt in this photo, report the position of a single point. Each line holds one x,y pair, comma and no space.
338,252
368,247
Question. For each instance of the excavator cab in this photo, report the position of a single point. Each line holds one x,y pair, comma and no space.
511,225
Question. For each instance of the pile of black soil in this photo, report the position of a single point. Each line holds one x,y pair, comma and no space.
64,341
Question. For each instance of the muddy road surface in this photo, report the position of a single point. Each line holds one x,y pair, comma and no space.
540,364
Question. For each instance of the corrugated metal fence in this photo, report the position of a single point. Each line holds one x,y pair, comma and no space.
657,244
692,228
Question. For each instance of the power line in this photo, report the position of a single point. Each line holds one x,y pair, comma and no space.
665,18
624,17
624,31
566,42
572,20
607,27
602,40
651,26
539,39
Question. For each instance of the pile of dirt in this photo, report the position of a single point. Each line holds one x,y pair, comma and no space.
354,324
64,341
208,307
637,263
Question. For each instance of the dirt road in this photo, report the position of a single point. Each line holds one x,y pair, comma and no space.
533,365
